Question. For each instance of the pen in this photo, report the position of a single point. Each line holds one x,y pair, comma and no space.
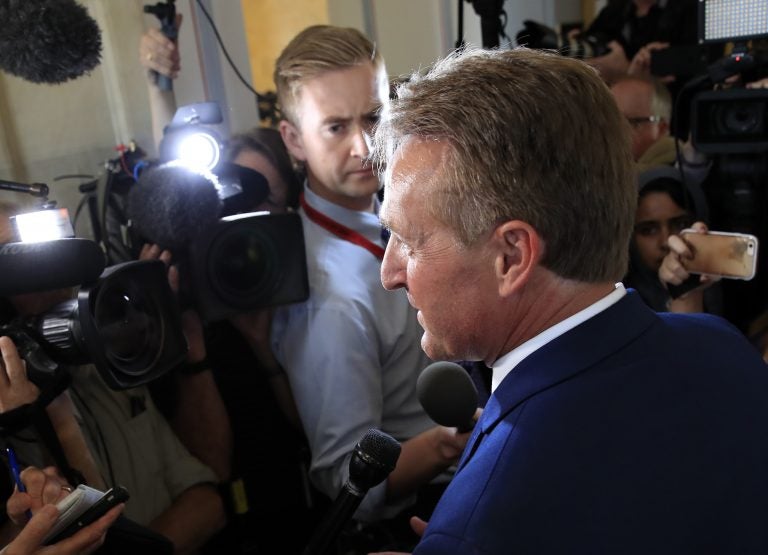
14,464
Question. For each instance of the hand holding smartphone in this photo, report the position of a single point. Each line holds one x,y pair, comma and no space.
718,254
721,254
82,507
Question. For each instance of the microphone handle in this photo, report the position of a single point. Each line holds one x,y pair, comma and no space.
329,528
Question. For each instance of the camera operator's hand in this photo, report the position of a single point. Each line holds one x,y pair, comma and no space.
640,66
200,418
190,321
759,84
255,326
15,388
159,53
612,66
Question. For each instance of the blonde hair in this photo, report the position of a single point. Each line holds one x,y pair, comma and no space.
532,136
314,51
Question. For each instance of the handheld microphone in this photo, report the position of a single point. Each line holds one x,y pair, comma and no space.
374,457
48,265
448,395
48,41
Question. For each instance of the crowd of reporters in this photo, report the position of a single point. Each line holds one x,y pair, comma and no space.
257,425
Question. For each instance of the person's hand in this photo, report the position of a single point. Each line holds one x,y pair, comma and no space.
15,388
640,66
612,66
43,487
190,320
417,525
29,540
759,84
450,442
159,53
255,327
672,271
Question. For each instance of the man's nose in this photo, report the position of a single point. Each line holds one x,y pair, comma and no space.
392,267
359,147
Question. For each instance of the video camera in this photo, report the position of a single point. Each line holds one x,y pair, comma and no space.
230,258
124,318
732,120
538,35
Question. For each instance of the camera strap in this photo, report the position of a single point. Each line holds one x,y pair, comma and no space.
340,230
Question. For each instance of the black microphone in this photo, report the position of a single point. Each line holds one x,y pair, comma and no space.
48,41
374,457
34,189
448,395
48,265
171,204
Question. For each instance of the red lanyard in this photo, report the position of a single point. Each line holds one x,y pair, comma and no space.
340,230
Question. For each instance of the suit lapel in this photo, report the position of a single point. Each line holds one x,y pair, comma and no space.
561,359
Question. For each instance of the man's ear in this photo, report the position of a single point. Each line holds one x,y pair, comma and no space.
519,249
292,139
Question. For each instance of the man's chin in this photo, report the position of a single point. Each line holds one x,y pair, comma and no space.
433,350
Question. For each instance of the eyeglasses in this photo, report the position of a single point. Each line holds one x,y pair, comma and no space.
636,122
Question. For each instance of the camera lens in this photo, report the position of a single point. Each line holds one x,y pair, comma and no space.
742,118
129,325
243,264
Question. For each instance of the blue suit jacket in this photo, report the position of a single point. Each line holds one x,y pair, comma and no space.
635,432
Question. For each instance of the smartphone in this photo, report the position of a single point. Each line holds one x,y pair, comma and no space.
722,254
83,511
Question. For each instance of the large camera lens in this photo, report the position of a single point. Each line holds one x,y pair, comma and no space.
243,264
739,119
130,326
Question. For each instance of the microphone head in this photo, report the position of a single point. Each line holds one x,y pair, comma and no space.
50,41
49,265
374,457
447,394
172,204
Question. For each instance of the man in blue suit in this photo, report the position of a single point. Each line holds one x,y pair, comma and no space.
611,429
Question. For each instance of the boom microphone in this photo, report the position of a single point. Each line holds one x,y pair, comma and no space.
448,395
48,265
374,457
48,41
171,204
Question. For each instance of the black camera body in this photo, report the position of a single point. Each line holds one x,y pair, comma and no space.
247,261
730,121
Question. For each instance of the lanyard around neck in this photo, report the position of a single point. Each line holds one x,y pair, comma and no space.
340,230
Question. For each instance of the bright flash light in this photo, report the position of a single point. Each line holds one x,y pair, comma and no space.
43,225
199,149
